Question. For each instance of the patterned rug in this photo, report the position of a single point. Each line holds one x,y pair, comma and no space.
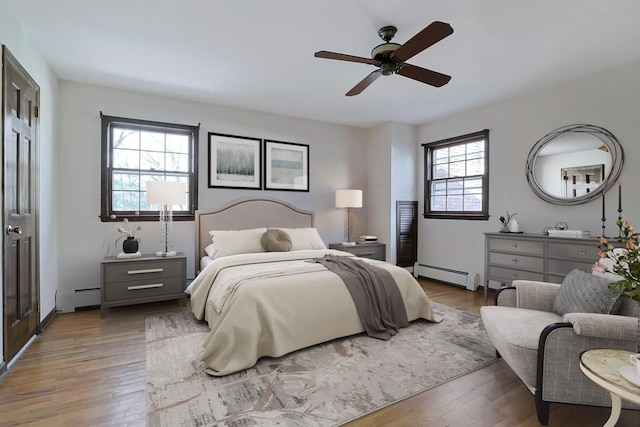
324,385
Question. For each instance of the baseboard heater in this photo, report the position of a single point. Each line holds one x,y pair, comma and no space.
447,275
68,300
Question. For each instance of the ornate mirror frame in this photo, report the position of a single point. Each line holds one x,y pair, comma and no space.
608,140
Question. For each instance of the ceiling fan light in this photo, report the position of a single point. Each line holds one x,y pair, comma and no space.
388,68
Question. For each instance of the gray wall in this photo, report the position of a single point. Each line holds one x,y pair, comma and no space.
336,161
21,46
610,99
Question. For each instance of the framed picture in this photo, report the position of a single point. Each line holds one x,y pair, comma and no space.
286,166
234,161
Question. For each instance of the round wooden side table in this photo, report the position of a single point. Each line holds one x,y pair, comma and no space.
602,366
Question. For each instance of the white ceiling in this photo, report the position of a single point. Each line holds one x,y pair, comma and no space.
258,55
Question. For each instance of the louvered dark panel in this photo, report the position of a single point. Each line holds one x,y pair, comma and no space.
406,233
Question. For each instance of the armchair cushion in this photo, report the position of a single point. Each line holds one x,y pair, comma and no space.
515,333
582,292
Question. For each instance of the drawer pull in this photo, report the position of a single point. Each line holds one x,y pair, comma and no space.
514,275
148,270
515,245
149,286
582,251
515,260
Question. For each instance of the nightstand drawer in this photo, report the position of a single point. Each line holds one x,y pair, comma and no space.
145,279
366,251
372,250
141,270
142,288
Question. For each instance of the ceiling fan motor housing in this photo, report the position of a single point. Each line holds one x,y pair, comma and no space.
381,54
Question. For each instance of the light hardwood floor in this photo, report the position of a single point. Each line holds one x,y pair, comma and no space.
87,371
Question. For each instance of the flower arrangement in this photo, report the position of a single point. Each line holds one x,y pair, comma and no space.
128,229
623,261
504,220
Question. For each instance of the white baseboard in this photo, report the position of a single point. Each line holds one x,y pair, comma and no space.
68,300
462,278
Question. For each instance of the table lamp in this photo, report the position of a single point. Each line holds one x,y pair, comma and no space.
166,194
349,199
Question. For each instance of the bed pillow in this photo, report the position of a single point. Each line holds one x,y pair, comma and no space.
582,292
209,250
276,240
233,242
304,238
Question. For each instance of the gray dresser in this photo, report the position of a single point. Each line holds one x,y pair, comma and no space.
139,280
367,250
511,256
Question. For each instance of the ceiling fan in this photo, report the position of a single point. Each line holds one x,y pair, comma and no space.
390,57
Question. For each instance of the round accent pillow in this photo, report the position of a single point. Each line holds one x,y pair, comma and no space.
276,240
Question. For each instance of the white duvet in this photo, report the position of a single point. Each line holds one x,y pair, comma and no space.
256,308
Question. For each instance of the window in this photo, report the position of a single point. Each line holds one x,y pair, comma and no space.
136,151
456,177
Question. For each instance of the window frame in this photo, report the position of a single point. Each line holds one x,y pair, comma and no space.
429,149
106,199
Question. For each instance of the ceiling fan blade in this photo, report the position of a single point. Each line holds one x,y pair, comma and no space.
423,75
343,57
429,36
364,83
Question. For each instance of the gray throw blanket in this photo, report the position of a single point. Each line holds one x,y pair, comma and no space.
374,292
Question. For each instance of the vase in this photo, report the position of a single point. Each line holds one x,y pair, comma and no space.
130,245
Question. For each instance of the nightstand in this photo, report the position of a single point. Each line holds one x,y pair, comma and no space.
139,280
367,250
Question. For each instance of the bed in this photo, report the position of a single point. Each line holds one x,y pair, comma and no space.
260,303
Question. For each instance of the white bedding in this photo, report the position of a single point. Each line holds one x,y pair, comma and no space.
273,314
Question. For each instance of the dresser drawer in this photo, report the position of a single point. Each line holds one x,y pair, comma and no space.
576,251
564,267
519,246
134,289
141,270
518,261
507,275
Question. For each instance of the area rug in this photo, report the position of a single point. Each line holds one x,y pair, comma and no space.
324,385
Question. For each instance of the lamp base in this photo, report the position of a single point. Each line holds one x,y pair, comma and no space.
166,254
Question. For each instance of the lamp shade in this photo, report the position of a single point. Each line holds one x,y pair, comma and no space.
166,193
348,198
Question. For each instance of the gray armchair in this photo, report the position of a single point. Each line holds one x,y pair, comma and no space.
543,348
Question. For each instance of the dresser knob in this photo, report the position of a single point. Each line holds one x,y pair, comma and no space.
582,251
515,245
515,260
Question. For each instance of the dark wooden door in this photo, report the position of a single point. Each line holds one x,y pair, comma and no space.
20,100
407,233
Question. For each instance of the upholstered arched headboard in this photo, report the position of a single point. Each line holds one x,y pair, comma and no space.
245,213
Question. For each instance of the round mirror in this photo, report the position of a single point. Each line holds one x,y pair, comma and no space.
574,164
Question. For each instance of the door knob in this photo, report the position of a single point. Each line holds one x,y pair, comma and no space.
15,230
